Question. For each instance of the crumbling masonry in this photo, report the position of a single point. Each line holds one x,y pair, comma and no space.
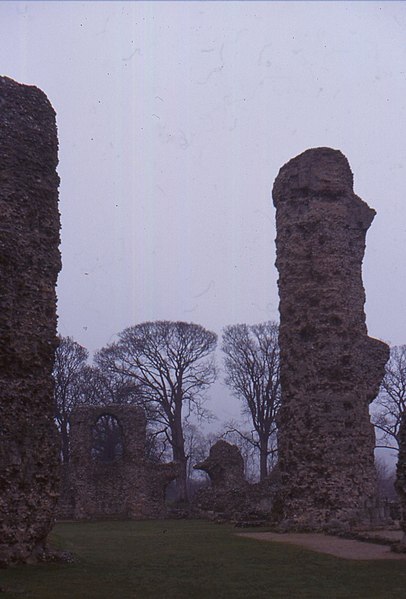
29,265
224,465
110,474
230,497
330,369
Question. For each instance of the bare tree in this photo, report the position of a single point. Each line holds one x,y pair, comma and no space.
252,372
241,434
390,404
109,387
197,447
244,439
172,364
70,373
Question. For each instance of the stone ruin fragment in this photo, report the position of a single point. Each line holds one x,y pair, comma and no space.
224,499
29,265
330,369
224,465
400,483
230,497
109,473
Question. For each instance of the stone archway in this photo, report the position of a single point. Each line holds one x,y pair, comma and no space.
107,439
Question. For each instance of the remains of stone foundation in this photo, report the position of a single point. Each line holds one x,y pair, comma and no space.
330,369
224,465
109,474
230,497
29,265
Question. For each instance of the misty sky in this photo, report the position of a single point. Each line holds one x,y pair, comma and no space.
174,119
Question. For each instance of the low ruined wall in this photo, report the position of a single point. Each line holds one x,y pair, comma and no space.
120,481
230,497
29,265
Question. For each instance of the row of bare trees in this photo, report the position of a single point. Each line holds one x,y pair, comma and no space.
252,373
172,365
389,406
167,368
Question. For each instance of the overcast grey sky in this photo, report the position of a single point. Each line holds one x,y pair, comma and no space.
174,119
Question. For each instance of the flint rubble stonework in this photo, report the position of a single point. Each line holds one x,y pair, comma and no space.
130,486
224,465
230,497
330,369
225,498
29,265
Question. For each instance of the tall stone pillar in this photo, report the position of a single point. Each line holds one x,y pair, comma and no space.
330,369
29,265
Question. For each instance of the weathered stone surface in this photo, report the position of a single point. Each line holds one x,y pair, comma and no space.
118,480
224,465
330,369
29,265
225,498
400,483
230,497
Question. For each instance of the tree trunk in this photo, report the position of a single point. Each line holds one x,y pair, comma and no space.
181,482
178,450
263,458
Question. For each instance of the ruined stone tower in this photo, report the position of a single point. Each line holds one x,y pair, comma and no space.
29,265
330,369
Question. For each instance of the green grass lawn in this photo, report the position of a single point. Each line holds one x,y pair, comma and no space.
194,560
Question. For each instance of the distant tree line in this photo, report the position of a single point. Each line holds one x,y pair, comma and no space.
390,404
167,368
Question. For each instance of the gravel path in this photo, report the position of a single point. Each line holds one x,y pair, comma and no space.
344,548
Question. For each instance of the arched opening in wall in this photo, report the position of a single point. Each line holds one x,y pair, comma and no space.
107,439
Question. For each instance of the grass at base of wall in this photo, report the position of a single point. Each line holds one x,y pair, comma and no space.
193,560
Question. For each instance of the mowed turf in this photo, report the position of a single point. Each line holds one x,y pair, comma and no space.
194,560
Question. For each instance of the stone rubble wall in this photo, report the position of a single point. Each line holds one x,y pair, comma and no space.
330,369
224,465
130,487
29,265
230,497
